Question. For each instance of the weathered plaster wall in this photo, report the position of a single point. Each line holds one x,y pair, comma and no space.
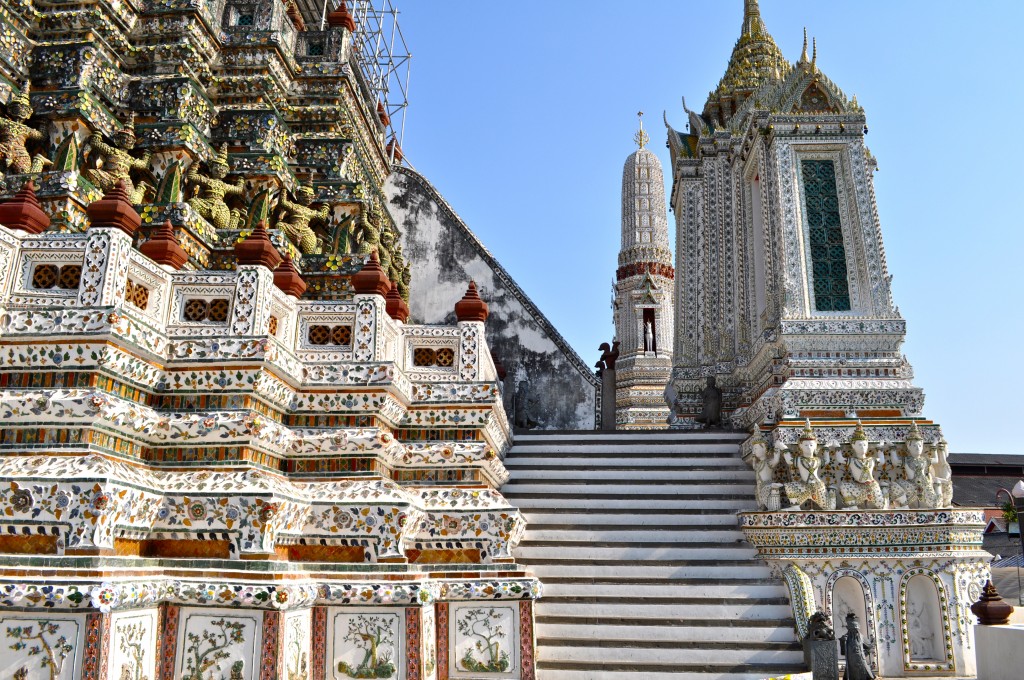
445,255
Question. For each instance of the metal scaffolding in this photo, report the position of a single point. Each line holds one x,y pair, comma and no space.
383,58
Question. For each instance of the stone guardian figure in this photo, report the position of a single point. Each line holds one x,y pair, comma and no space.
15,134
213,189
648,337
523,406
943,475
118,162
807,485
711,412
296,224
856,651
764,471
917,486
863,490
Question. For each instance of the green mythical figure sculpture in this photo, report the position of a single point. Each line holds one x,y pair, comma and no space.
15,134
213,190
369,232
298,216
118,162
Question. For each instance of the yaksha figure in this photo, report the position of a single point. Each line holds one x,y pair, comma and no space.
210,203
15,134
296,225
917,486
764,470
806,486
863,489
118,162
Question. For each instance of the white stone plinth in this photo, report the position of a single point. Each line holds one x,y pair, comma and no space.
1000,651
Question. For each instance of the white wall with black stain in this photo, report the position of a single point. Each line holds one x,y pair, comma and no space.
445,255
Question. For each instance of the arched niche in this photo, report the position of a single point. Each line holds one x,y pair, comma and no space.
846,590
847,596
927,643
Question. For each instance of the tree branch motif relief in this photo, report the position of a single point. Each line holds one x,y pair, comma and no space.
133,641
39,648
367,645
217,648
485,640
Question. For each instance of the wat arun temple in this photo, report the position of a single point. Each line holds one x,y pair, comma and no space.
270,409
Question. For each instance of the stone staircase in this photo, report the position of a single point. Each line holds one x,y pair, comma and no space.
646,574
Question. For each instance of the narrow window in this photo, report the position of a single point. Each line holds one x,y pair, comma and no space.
828,256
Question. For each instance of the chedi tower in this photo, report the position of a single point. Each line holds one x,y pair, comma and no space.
643,293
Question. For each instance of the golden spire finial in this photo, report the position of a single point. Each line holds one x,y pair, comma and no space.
803,57
751,18
641,137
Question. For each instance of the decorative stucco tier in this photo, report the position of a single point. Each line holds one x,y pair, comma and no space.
224,451
910,576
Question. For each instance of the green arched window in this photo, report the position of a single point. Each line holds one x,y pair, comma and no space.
828,256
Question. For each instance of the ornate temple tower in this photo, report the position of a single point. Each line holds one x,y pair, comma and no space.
643,293
785,294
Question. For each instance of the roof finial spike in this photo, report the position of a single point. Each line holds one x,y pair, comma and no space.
751,18
803,56
641,137
814,54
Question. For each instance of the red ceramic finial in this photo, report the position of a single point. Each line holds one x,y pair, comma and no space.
288,279
23,212
340,17
471,307
115,210
990,608
396,307
395,149
371,279
257,248
382,113
163,247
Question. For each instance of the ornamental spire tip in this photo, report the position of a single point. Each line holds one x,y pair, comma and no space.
641,137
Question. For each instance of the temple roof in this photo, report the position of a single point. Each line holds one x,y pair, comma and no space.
755,60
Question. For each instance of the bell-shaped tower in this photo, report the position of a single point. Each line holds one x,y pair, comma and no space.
644,317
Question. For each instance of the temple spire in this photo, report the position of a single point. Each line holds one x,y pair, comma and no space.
755,60
814,53
641,137
752,23
803,55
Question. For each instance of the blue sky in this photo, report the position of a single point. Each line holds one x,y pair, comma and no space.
522,114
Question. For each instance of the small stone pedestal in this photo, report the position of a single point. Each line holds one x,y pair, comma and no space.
822,657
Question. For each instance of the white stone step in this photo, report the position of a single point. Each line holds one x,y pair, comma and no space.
633,674
515,461
704,633
633,450
587,435
695,535
728,504
650,570
638,519
624,488
580,553
638,609
621,653
640,590
682,475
